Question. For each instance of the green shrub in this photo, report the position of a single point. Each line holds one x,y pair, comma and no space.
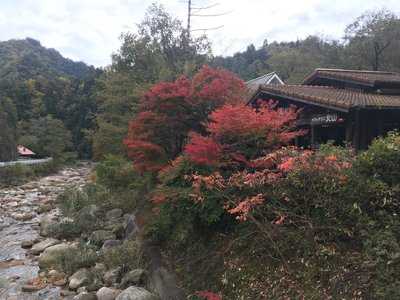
74,259
382,159
18,174
128,256
115,172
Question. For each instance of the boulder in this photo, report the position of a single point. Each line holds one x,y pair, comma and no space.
85,296
110,244
136,293
98,237
26,244
135,277
114,214
131,228
45,224
91,211
112,276
51,254
41,246
79,278
106,293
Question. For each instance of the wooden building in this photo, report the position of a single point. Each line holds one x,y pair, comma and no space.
345,106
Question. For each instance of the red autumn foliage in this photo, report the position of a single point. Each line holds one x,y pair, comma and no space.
243,134
208,295
170,110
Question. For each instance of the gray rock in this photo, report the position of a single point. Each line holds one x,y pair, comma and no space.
26,244
85,296
89,211
110,244
114,214
45,224
135,277
79,278
99,236
106,293
112,276
131,228
41,246
136,293
51,254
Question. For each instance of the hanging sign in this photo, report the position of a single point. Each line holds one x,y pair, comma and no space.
326,119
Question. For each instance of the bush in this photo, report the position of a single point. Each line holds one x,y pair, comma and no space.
115,172
128,256
382,159
74,259
18,174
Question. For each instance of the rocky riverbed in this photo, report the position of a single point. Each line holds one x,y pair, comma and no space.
21,209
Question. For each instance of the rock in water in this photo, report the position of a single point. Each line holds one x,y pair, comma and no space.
136,293
106,293
51,254
79,279
43,245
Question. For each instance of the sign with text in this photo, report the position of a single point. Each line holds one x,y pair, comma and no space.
326,119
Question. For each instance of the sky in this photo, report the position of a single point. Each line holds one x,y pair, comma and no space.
89,30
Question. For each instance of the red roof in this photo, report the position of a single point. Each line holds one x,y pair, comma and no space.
22,150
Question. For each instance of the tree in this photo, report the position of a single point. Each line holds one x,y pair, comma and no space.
160,49
46,136
372,37
170,110
8,134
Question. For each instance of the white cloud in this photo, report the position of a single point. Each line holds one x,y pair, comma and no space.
89,30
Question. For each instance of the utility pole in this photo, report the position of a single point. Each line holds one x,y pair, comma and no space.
194,12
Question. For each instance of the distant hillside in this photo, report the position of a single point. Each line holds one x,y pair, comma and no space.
25,59
52,97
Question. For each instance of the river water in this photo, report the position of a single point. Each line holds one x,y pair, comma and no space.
20,215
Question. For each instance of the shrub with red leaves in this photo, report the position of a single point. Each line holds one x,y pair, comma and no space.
243,134
170,110
208,295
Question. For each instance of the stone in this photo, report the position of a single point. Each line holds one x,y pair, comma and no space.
28,288
43,208
118,230
60,282
85,296
50,255
67,293
99,236
114,214
136,293
112,276
23,216
89,211
26,244
106,293
135,277
45,223
79,278
110,244
41,246
81,290
131,228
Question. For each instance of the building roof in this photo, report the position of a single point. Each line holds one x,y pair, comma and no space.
339,99
369,78
253,84
24,151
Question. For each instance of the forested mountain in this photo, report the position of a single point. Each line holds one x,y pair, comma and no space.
25,59
51,96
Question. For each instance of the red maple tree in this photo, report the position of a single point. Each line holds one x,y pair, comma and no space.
170,110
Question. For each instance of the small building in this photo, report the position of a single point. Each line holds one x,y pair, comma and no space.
24,152
345,106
